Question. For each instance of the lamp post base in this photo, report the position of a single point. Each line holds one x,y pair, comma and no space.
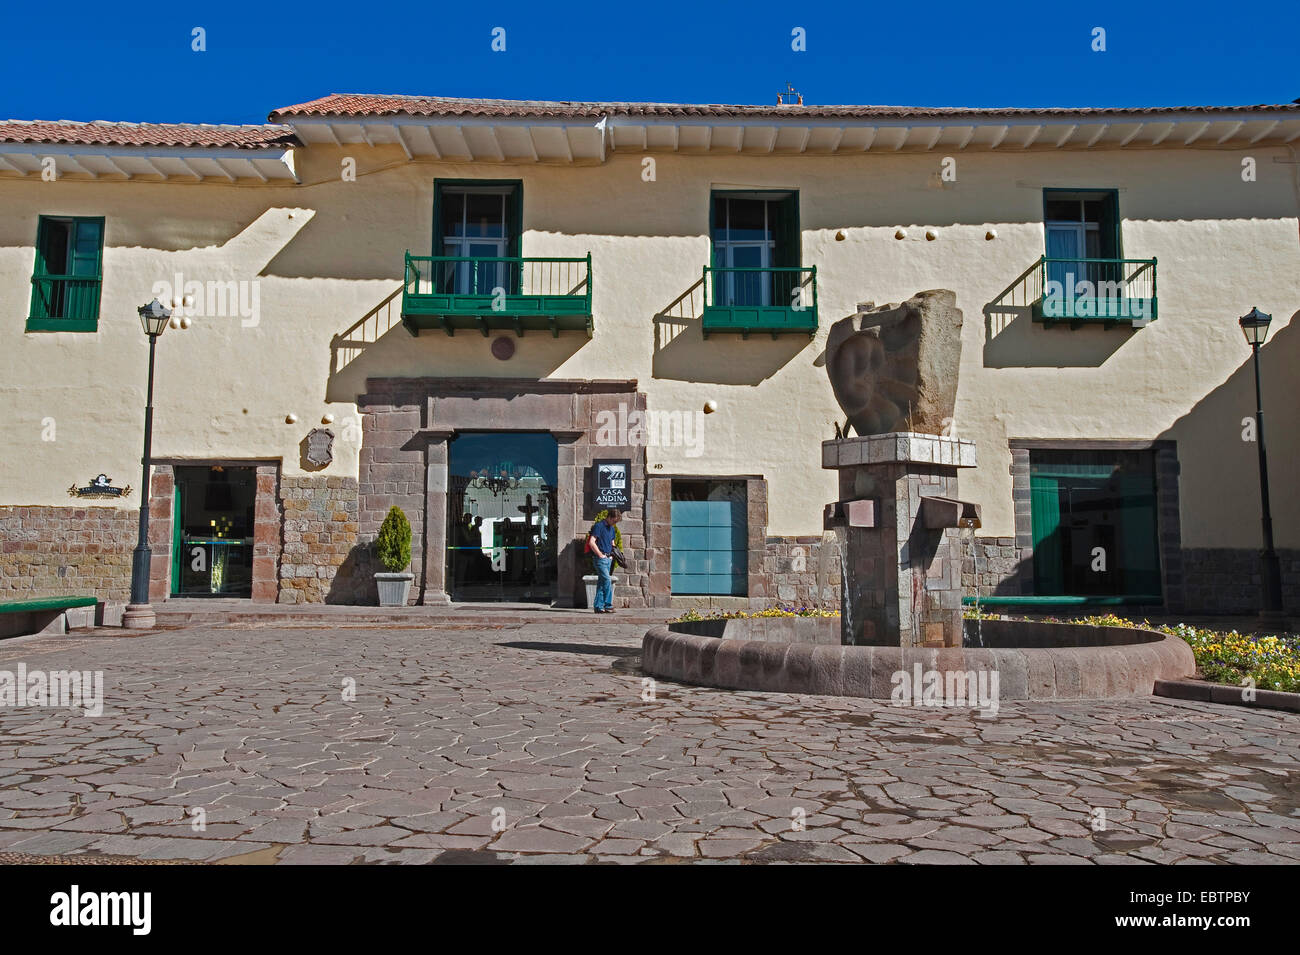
139,617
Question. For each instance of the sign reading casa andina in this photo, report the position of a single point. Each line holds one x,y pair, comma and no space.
100,486
613,485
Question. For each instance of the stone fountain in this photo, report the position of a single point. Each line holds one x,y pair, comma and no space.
899,520
894,372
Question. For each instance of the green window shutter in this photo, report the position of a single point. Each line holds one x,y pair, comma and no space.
84,262
788,252
87,246
515,220
1045,516
42,305
514,236
1112,246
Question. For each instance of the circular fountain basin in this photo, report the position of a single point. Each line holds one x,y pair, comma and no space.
1031,660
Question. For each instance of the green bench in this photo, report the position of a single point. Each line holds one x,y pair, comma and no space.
43,615
1032,601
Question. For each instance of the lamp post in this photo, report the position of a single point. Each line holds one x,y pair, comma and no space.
1254,325
139,614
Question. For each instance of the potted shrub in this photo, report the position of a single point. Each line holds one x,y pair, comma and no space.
393,548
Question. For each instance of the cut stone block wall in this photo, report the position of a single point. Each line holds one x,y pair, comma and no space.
1228,580
56,551
791,570
321,561
996,564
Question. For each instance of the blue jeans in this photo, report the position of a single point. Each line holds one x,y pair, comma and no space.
605,585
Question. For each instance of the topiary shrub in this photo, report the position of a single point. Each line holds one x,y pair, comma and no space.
393,545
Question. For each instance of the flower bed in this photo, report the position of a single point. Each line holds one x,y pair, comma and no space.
1272,663
693,615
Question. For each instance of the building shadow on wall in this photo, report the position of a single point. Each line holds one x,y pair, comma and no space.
377,345
354,582
681,353
1219,465
1012,339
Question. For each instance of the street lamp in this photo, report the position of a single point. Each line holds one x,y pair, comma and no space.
139,614
1254,325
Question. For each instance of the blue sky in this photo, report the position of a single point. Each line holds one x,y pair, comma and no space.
134,61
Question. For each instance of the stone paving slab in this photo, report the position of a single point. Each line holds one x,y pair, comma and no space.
542,743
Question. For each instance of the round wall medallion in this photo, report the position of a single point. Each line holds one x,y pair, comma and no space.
503,348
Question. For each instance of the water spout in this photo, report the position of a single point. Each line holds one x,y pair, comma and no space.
832,539
975,572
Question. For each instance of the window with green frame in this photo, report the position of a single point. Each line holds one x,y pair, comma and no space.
1082,229
66,279
476,221
755,236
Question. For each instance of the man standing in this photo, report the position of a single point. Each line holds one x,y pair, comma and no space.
601,541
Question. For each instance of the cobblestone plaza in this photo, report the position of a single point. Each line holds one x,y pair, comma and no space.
542,742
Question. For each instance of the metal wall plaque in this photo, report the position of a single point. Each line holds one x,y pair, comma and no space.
612,484
320,447
100,486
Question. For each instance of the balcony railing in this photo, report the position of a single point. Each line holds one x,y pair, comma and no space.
68,303
1094,291
779,300
514,293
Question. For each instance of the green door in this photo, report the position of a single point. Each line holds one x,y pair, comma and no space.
1045,510
1093,516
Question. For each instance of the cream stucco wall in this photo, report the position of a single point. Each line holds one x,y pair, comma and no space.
327,252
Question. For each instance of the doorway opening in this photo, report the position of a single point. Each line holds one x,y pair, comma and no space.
501,516
212,531
710,533
1094,523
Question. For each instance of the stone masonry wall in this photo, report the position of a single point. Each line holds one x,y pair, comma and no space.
53,551
321,560
791,567
995,564
1227,580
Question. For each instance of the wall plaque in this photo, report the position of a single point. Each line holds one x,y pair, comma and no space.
320,447
100,486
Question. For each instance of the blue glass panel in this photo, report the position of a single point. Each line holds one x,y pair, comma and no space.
690,584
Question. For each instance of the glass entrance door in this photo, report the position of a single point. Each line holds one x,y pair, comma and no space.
213,531
501,521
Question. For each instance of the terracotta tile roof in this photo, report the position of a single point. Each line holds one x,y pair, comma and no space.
358,105
100,133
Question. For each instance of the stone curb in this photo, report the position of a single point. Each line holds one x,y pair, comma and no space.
1065,673
1202,692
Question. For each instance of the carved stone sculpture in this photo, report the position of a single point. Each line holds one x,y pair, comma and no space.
894,368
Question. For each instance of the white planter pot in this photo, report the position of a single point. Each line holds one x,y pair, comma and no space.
591,580
394,589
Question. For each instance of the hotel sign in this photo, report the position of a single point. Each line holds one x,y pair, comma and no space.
612,484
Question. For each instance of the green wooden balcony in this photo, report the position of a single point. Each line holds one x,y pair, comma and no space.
1104,292
64,303
492,294
780,300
